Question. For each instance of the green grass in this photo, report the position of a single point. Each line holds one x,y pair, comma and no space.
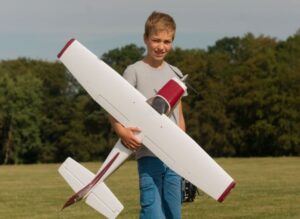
266,188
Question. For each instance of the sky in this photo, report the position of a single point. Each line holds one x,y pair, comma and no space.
38,29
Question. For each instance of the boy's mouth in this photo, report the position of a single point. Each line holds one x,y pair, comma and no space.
159,53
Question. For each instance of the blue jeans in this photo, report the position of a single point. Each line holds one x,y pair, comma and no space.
160,190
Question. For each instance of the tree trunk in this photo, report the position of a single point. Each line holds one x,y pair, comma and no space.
7,146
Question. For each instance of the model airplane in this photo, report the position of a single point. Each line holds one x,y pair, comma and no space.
164,138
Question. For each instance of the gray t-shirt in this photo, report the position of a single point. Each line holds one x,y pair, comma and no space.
148,81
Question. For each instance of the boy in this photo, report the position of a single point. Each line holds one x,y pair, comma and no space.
160,187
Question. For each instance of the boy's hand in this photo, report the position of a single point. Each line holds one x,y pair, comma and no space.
129,138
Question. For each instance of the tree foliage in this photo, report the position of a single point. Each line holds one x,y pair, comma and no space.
20,116
248,102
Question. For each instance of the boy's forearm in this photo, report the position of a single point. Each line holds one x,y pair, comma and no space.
181,118
117,126
182,124
127,135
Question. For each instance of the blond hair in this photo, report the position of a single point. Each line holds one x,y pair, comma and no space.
157,22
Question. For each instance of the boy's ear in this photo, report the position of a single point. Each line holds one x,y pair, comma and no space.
145,38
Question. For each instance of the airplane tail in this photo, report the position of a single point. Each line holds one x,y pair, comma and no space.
100,197
123,154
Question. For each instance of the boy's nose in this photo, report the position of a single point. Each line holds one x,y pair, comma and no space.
160,46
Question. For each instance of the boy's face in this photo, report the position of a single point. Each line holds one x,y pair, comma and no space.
159,45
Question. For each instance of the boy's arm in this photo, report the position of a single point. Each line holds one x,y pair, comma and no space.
181,117
127,135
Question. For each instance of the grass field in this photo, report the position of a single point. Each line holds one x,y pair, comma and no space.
266,188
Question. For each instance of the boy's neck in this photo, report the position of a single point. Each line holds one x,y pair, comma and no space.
153,63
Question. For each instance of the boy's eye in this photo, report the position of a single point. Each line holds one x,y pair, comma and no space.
159,41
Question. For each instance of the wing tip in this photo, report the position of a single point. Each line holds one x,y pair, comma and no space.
227,191
65,47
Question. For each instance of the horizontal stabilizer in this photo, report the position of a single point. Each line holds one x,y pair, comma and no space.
100,198
103,201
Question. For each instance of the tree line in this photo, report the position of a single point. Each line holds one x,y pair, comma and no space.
247,102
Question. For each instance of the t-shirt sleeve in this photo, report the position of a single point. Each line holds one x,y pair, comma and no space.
130,75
